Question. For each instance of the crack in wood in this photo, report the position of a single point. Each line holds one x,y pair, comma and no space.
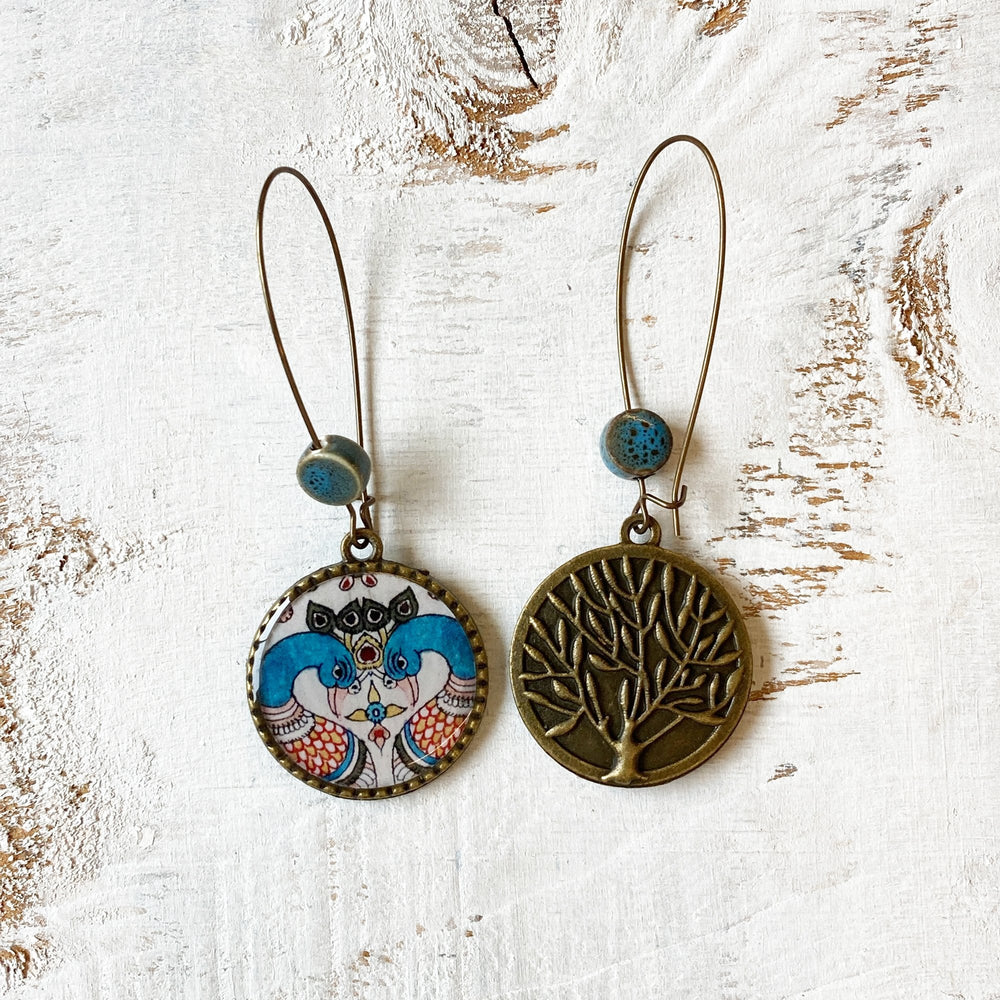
517,45
768,689
440,87
804,673
806,499
38,547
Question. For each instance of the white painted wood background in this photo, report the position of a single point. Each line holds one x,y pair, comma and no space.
844,843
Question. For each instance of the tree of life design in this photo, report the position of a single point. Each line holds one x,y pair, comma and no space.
635,665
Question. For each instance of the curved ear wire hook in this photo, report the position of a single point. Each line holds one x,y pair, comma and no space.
367,500
270,307
679,492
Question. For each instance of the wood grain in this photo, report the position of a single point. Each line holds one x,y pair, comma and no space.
452,78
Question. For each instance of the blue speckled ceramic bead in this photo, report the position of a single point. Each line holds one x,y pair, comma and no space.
636,443
335,474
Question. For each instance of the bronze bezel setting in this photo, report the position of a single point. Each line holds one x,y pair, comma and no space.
352,568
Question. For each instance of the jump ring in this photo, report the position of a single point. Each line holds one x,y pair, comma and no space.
361,539
639,524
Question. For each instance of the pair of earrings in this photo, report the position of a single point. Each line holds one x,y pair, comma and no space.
630,664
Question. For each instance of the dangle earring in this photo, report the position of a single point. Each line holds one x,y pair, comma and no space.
366,678
631,664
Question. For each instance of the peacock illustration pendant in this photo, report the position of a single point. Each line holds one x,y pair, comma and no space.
366,679
631,664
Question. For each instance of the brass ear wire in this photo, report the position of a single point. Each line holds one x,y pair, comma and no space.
343,288
367,500
679,491
631,664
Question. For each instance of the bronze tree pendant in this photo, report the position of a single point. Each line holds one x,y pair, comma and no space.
631,665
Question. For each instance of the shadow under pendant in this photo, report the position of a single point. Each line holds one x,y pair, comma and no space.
631,664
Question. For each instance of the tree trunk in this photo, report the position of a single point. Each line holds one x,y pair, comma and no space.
627,752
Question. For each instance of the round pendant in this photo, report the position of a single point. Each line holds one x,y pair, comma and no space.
367,679
631,665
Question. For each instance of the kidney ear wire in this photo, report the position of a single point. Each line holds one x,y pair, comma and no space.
335,470
679,492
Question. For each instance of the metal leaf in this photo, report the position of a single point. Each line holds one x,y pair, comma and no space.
535,654
562,635
624,695
688,605
659,672
562,691
627,573
661,637
725,658
714,616
703,602
562,728
599,663
653,611
597,627
723,634
733,682
626,637
647,574
539,699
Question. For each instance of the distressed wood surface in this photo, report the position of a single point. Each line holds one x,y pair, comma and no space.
476,160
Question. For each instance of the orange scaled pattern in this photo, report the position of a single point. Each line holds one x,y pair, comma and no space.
434,731
322,751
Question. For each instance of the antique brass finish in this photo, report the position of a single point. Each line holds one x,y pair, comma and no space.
352,337
631,664
678,493
357,540
367,501
374,567
299,735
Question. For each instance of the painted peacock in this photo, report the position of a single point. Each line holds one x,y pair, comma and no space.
435,728
324,746
320,745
